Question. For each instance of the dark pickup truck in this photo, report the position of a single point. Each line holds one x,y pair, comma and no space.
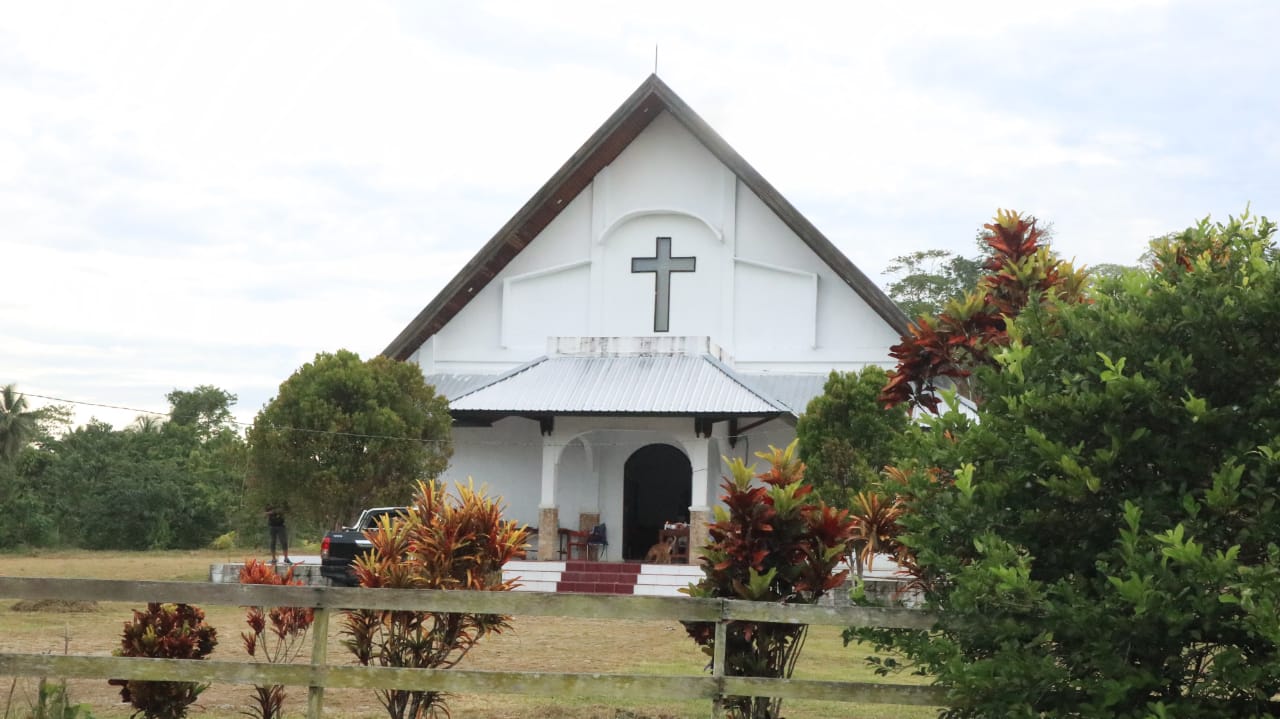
340,548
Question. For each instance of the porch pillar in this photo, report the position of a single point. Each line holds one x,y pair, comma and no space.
698,450
548,510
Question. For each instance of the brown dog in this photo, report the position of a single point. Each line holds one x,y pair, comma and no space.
660,553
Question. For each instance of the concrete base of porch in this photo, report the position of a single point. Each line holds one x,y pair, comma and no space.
663,580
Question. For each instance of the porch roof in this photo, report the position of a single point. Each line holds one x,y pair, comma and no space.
671,385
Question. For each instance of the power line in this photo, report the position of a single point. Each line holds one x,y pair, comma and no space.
335,433
98,404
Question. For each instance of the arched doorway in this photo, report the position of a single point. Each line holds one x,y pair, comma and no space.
655,489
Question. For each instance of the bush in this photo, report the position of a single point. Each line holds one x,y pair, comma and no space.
440,542
276,636
1105,541
770,545
164,631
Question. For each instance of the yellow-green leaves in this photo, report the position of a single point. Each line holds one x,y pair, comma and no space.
964,480
1198,407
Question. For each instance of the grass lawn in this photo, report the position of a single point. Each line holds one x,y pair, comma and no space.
535,644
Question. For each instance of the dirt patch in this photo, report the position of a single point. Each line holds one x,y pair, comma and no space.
55,606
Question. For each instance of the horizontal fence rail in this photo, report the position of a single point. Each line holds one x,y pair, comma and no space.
319,675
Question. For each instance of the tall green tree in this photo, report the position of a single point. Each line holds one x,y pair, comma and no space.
206,409
925,280
1105,539
846,437
19,423
130,489
152,485
344,433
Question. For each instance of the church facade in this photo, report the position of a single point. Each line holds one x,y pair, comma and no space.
656,306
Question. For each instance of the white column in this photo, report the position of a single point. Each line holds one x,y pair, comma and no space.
548,512
550,465
699,453
697,448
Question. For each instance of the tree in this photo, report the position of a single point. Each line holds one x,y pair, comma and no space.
347,434
769,543
1105,539
927,279
943,351
25,435
206,409
846,438
20,425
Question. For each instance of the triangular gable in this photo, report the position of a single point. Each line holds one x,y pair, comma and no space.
647,102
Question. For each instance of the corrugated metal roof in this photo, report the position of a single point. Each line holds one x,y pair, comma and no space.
793,390
456,385
663,384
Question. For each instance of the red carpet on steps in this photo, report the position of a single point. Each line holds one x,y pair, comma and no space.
599,577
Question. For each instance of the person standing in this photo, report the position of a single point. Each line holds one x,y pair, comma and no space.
278,532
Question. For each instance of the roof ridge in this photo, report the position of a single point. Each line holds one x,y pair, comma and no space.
735,377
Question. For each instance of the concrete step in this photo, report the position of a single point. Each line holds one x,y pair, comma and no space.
305,569
573,576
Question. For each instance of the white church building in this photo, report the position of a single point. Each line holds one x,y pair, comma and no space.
655,306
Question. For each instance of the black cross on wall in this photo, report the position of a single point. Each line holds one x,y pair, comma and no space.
662,264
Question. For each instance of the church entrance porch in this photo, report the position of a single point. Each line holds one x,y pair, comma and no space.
656,491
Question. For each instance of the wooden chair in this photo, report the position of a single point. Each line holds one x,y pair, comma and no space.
531,545
571,540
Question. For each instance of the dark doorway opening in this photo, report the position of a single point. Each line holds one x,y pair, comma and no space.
655,490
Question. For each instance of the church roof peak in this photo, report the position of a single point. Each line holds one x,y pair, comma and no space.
649,100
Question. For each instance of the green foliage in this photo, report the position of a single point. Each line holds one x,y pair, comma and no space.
223,542
141,490
20,425
927,279
52,701
154,485
1105,540
769,543
205,409
440,542
348,434
846,437
164,631
943,351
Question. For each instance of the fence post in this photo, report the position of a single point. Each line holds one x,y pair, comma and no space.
717,662
319,658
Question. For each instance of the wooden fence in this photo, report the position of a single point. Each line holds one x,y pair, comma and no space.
319,675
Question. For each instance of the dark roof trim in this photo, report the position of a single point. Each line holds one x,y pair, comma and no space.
602,148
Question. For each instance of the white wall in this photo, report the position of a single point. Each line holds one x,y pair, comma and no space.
758,290
507,458
628,298
849,333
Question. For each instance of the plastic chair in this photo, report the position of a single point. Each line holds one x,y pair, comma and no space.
598,538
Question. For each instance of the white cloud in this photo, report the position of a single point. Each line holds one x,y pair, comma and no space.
213,193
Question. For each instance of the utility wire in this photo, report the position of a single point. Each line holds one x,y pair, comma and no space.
306,430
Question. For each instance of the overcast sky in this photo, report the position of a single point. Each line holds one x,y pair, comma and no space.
211,193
